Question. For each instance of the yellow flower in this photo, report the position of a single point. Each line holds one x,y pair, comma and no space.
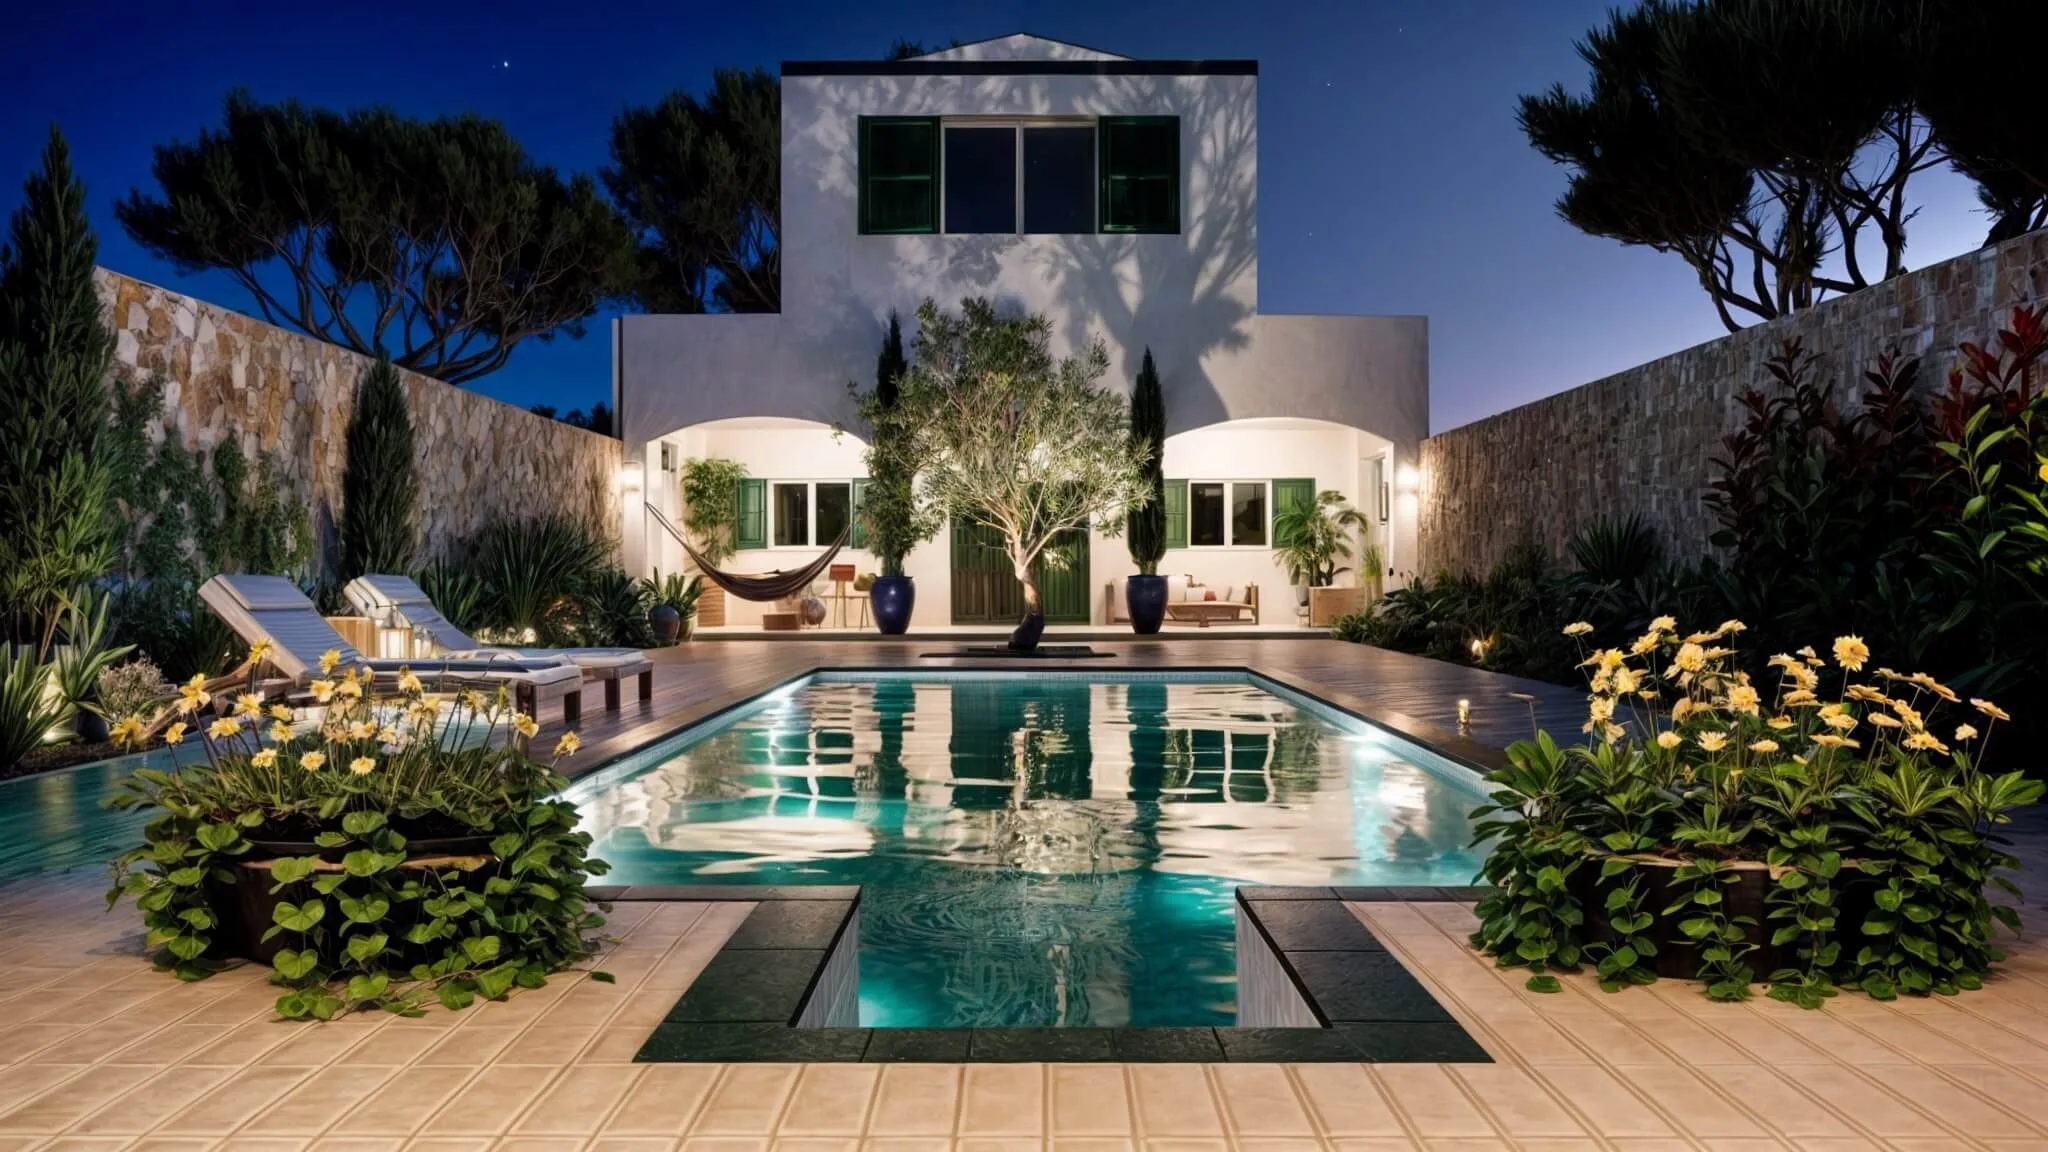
1744,699
1851,652
1965,733
1764,746
472,700
280,732
1908,714
1925,742
1690,658
1577,628
1839,721
1668,740
1712,741
323,690
362,730
1730,628
1867,694
2042,472
175,734
1807,654
348,689
525,725
1801,698
224,727
248,704
128,733
1613,732
1683,707
1781,722
387,735
1663,624
312,761
280,713
1625,681
362,765
1827,741
329,660
1989,709
258,651
568,744
1644,644
1699,638
1883,721
409,683
265,758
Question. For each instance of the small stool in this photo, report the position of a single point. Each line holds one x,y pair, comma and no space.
841,575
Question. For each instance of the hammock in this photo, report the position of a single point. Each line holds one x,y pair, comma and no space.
763,587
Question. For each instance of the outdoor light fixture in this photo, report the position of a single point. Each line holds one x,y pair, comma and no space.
1479,649
1464,713
631,474
1407,478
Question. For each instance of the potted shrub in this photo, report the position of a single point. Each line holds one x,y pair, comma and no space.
890,513
1145,593
710,488
405,850
1833,830
673,615
1311,539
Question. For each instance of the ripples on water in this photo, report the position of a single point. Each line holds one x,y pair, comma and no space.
1039,851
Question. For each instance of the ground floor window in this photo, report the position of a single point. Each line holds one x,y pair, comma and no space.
809,513
1227,513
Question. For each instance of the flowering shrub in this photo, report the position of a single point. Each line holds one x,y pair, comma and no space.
340,812
1858,795
131,689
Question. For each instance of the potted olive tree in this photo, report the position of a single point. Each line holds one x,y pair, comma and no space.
1008,438
1145,593
711,514
889,512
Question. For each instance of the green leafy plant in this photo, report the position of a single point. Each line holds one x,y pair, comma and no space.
1146,525
537,571
132,689
711,503
29,704
1310,540
613,610
459,594
379,492
891,514
365,919
83,652
675,590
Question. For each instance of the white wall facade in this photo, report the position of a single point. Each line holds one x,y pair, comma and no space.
1191,297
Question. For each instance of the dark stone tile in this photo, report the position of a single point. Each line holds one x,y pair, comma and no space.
1471,894
1167,1045
772,1043
690,892
1379,895
1367,987
1303,1045
812,924
1312,926
1278,893
840,892
1421,894
758,987
1413,1043
918,1046
1036,1044
604,893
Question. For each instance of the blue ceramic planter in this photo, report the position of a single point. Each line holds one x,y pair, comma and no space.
892,598
1145,596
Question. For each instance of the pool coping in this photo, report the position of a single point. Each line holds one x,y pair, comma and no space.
744,1006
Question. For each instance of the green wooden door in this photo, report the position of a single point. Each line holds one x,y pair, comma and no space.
985,591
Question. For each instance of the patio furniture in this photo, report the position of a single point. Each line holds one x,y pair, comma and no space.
842,576
399,603
1190,602
1325,605
273,610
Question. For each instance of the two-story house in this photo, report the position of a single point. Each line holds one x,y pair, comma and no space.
1117,196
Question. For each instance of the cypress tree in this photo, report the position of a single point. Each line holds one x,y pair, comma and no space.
890,365
1147,525
378,489
57,524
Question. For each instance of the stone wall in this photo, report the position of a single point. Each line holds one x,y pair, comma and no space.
1642,441
225,374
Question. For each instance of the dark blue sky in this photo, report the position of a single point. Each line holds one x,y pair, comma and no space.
1392,177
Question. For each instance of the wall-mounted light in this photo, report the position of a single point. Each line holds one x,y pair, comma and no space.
1407,478
631,475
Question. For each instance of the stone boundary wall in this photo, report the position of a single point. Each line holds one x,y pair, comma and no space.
225,374
1643,440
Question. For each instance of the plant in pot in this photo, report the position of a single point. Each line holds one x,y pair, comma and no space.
674,598
710,490
1145,593
1311,538
407,849
1832,831
891,516
1011,439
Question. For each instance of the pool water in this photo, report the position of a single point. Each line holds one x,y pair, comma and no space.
1042,850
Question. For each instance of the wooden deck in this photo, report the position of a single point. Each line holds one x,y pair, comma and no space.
1411,694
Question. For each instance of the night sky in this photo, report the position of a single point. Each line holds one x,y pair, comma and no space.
1392,176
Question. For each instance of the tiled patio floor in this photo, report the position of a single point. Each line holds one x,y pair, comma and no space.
99,1052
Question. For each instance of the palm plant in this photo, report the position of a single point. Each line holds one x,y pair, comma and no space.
84,653
536,569
1311,539
459,594
676,590
29,709
612,609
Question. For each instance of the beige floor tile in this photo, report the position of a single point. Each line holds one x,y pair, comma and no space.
908,1144
242,1095
1431,1101
1186,1144
150,1103
357,1144
632,1144
1949,1096
79,1143
547,1044
1174,1102
831,1100
747,1101
616,1043
663,1101
1375,1144
20,1083
1773,1097
1346,1101
1469,1144
170,1045
577,1103
916,1100
391,1047
403,1103
821,1144
492,1101
1520,1105
173,1144
726,1144
326,1096
470,1046
1612,1109
450,1144
1003,1100
67,1102
1281,1144
243,1043
242,1143
1260,1101
1089,1100
1695,1104
1094,1144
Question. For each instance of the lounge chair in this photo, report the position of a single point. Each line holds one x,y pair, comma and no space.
399,602
271,608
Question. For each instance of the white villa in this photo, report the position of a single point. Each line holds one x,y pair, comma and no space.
1119,197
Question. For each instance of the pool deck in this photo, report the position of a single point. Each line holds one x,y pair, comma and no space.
98,1052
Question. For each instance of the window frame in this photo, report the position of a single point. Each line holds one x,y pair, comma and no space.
1102,176
772,517
1230,543
863,150
1017,126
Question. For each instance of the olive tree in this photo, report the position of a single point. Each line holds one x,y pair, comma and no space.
1009,437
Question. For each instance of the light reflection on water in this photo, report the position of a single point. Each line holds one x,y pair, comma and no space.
1047,851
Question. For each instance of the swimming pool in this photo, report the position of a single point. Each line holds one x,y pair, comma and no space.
1036,849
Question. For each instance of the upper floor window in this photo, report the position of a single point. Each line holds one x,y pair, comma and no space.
965,176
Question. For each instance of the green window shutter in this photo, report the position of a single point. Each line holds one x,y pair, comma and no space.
858,537
899,175
1176,504
1289,495
752,530
1140,166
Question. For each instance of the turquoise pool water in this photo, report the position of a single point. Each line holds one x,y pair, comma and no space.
1043,849
54,822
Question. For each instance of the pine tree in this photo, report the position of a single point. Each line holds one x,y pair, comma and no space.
379,492
57,525
1147,525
